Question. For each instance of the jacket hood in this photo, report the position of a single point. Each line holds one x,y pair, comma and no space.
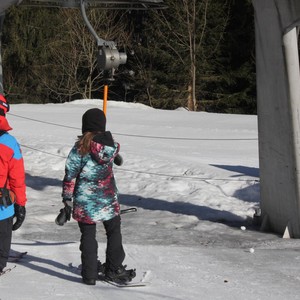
4,126
104,138
103,148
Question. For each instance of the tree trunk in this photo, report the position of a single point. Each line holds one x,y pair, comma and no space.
190,102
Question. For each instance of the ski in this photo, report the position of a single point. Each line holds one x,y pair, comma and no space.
7,270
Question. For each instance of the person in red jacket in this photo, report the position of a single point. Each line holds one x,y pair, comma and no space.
12,185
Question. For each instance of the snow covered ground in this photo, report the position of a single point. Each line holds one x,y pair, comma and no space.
194,178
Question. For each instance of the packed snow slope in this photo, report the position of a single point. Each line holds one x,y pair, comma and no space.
194,179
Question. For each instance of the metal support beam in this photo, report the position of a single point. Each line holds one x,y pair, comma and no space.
100,42
109,58
109,4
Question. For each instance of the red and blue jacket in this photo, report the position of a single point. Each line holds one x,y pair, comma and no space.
12,173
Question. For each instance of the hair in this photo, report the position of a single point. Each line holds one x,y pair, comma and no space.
83,143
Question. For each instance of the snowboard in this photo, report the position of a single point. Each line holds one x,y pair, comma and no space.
15,256
136,282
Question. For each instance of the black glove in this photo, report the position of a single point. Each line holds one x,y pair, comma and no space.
64,214
118,160
20,213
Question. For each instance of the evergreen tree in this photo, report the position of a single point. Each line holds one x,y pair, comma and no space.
235,91
26,36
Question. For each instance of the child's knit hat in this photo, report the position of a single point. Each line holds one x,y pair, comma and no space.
93,120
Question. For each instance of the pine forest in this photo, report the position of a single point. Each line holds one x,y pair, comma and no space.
197,54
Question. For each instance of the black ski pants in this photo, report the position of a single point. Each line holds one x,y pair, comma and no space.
5,241
115,254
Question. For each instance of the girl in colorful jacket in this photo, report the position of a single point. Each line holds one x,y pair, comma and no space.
12,185
90,182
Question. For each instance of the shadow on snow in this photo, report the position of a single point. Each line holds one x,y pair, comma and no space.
184,208
251,193
41,265
39,183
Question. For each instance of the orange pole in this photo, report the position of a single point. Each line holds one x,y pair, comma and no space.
105,98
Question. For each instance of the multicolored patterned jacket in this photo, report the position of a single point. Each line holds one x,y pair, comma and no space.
12,171
90,181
